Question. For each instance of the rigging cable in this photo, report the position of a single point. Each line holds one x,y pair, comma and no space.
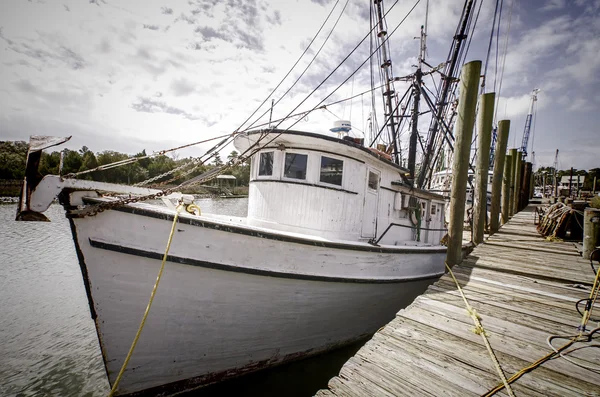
342,62
487,57
295,64
252,148
512,3
307,66
498,43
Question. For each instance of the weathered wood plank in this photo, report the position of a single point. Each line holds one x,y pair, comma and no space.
542,379
523,287
505,339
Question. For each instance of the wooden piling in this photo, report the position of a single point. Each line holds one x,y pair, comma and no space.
484,140
518,169
525,185
467,102
506,180
499,171
513,171
591,231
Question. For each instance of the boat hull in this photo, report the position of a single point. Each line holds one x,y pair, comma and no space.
230,303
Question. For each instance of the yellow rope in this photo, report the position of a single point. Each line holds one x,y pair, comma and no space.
481,331
584,320
139,331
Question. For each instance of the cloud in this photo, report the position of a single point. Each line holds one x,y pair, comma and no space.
553,5
580,105
209,33
185,18
149,105
151,27
47,50
166,10
275,18
182,87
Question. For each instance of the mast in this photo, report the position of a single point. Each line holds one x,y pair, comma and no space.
389,92
418,77
448,80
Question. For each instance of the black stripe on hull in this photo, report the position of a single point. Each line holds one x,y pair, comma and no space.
256,272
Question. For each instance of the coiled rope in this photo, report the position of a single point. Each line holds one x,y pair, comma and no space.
139,331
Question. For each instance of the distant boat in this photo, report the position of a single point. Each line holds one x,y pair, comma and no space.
441,183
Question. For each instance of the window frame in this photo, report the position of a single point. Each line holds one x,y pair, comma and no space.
321,156
272,175
378,175
306,174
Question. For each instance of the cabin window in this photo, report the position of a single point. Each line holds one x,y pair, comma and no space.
373,180
265,166
433,209
331,170
295,165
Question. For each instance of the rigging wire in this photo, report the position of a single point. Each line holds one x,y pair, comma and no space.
498,43
340,64
307,66
512,3
293,67
252,149
487,57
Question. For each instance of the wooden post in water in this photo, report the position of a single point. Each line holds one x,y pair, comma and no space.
525,185
484,140
517,181
513,170
591,231
506,180
499,171
469,82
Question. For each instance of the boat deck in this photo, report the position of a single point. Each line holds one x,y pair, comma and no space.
524,288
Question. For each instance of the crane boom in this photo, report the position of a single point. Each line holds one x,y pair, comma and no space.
527,129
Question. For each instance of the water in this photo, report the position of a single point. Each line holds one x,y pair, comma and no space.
48,342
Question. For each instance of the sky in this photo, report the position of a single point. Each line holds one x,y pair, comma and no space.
130,75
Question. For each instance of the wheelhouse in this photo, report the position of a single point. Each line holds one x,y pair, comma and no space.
336,189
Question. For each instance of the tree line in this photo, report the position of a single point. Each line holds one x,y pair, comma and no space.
13,155
589,175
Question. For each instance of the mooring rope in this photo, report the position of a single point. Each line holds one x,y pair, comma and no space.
139,331
481,331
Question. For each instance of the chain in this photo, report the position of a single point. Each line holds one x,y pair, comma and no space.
101,207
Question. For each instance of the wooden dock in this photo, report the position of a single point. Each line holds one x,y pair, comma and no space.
524,289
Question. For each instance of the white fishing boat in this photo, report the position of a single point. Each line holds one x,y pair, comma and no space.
330,251
337,239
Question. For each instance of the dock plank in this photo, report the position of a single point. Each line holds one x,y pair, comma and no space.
523,287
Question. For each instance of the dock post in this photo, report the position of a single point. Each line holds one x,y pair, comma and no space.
506,179
499,171
469,82
591,231
513,171
525,185
484,140
518,169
